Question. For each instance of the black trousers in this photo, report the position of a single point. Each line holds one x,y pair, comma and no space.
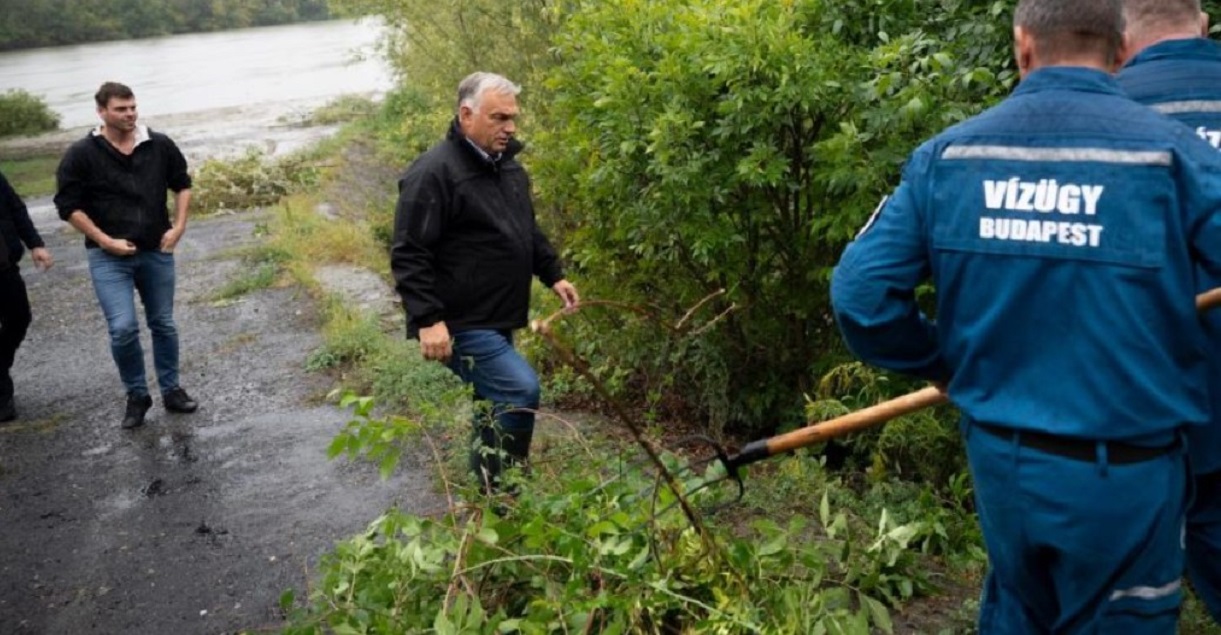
14,321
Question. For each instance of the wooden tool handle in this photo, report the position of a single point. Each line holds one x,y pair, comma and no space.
1210,299
839,426
877,414
859,420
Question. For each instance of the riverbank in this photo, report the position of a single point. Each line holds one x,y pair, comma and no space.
278,127
275,130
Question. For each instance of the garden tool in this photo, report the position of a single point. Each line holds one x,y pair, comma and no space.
727,467
730,464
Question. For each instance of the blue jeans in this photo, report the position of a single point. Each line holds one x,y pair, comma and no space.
487,360
116,279
1075,546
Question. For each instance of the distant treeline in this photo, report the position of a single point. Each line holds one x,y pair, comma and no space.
34,23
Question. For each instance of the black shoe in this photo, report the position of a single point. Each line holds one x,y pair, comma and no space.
136,407
177,400
8,410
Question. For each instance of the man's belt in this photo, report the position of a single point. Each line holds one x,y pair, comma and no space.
1080,449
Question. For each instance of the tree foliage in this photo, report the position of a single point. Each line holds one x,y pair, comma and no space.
700,146
433,44
681,148
33,23
24,113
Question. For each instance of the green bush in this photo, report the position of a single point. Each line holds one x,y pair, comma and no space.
702,146
923,446
435,45
599,549
342,109
22,113
252,180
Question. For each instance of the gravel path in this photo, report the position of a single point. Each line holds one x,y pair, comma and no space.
194,523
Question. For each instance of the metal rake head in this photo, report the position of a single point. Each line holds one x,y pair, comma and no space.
711,482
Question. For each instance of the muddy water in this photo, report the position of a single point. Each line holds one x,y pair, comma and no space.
273,68
215,94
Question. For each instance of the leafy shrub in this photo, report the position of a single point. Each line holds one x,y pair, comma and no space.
435,45
251,180
591,552
340,110
23,113
693,147
923,446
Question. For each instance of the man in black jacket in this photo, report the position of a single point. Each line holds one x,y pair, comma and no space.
15,229
112,188
466,246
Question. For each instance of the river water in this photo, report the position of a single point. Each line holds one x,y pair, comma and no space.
214,93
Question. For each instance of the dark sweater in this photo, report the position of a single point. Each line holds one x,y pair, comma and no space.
124,195
465,240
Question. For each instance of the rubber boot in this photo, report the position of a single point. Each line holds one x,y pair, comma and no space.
485,455
494,451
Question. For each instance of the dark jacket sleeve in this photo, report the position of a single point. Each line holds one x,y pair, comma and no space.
546,262
418,221
177,177
70,182
15,211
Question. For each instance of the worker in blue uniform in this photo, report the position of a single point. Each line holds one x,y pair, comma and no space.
1177,71
1062,230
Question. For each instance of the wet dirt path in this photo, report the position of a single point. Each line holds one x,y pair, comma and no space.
194,523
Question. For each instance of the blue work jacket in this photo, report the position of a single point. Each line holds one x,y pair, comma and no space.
1061,229
1182,79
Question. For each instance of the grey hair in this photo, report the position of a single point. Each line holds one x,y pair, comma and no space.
1072,27
1155,15
472,87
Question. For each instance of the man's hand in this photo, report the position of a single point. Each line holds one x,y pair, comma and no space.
169,240
122,247
42,258
568,294
435,343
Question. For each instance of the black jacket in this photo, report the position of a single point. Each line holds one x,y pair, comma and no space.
465,240
124,195
15,226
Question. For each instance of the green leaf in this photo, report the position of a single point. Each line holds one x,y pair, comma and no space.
774,546
387,465
878,612
487,535
337,446
442,625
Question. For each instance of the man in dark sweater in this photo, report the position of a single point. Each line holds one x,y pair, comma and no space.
466,246
16,229
112,188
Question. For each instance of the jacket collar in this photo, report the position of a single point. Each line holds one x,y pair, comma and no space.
1193,48
1075,78
141,134
472,150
